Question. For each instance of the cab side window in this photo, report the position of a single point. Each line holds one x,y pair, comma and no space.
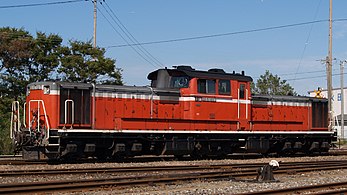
242,91
179,82
207,86
224,87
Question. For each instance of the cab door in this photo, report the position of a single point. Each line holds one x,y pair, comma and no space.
243,105
75,107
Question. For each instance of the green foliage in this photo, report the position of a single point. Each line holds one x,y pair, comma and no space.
83,63
45,56
5,114
25,59
15,52
270,84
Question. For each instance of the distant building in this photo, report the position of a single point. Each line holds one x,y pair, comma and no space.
336,107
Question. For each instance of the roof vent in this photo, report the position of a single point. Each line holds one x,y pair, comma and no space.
183,67
216,70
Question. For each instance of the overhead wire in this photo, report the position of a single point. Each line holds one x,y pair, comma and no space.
300,73
180,39
224,34
39,4
227,34
313,77
307,40
307,72
131,38
114,28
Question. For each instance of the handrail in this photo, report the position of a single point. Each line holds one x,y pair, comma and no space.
72,113
15,107
93,111
24,114
238,103
152,94
246,104
38,114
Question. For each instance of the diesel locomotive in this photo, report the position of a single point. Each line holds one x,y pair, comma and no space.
182,112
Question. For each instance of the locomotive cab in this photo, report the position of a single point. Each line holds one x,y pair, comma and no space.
213,83
169,79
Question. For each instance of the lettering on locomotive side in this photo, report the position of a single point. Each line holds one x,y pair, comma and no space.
205,99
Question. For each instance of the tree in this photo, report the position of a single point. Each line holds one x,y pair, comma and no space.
5,114
45,56
25,59
15,52
84,63
270,84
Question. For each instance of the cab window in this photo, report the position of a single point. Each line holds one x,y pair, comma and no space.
179,82
224,87
242,91
207,86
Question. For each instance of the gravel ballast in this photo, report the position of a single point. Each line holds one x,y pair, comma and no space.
227,186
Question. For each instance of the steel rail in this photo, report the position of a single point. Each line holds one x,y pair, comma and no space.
319,189
137,180
20,162
14,160
236,167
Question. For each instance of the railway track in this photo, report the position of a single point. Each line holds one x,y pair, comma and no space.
320,189
17,160
238,172
244,167
21,162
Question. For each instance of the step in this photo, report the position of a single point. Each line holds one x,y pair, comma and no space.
54,136
53,144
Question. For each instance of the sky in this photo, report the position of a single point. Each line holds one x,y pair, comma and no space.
253,35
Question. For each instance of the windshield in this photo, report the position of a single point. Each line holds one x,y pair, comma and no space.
179,82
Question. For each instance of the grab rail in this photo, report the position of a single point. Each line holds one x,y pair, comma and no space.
15,118
38,115
24,114
72,113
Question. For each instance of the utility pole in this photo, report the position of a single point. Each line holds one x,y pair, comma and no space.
95,8
329,68
342,63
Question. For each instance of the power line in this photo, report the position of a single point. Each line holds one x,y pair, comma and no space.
132,37
307,72
126,32
114,28
222,34
313,77
307,39
227,34
39,4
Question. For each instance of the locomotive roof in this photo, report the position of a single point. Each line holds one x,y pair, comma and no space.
287,98
58,84
211,73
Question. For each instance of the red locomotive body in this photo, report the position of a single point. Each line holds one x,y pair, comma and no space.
184,111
